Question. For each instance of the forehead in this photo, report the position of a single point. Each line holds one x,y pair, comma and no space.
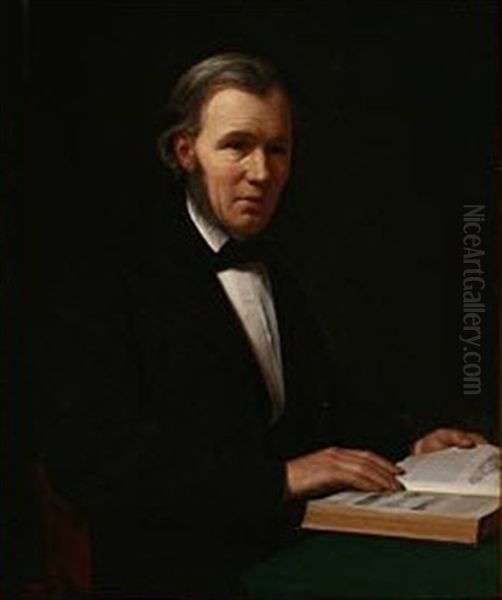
232,109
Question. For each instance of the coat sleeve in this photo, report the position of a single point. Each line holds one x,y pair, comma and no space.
99,432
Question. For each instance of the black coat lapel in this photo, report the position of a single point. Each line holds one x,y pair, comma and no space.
182,275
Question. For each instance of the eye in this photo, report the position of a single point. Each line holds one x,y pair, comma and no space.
278,149
238,145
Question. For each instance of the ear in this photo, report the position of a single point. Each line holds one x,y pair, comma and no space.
183,146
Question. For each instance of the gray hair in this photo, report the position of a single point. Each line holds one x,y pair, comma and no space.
232,69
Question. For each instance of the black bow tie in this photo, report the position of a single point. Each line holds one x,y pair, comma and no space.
235,254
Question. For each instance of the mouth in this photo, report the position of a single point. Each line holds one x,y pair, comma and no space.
252,201
251,205
251,198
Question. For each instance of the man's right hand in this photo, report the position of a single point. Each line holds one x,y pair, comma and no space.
331,469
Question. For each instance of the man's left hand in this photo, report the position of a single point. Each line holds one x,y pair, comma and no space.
444,438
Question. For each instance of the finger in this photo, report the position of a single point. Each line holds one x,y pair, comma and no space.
429,443
455,437
418,447
374,458
366,485
477,438
374,470
372,481
463,439
435,442
464,442
444,438
469,440
354,467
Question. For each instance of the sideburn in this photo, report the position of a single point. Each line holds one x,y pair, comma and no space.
198,191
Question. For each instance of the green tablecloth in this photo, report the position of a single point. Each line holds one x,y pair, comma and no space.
320,565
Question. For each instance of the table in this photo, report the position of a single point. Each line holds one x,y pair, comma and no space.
345,566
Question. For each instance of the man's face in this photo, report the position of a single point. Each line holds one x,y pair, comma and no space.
241,157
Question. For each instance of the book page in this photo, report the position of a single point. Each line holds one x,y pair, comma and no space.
417,502
474,471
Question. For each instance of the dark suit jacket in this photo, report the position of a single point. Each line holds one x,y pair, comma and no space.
154,417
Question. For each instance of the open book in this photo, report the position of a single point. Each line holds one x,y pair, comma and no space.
450,495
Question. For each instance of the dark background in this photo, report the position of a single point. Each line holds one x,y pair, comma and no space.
397,129
396,106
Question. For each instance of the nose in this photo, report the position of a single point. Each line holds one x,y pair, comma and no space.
257,168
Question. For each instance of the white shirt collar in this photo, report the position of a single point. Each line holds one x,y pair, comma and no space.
208,227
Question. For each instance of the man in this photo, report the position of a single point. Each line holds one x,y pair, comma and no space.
186,394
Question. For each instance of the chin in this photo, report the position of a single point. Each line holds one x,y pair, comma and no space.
247,218
249,226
